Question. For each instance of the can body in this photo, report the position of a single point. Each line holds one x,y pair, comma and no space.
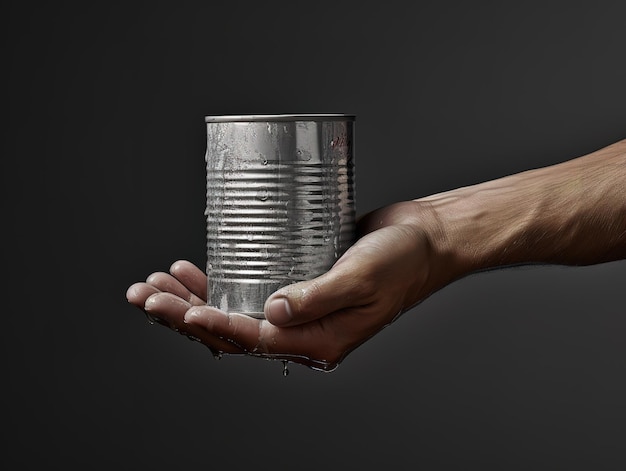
280,203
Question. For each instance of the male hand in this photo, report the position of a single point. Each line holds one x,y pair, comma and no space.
317,322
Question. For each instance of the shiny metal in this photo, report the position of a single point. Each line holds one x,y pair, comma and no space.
280,203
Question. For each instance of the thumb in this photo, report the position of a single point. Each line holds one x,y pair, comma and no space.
306,301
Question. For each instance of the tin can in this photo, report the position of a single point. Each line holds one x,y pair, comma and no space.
280,203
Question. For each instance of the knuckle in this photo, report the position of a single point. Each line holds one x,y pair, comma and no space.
310,293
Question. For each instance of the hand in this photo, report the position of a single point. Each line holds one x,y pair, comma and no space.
572,213
317,322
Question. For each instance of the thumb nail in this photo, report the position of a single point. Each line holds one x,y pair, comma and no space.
278,311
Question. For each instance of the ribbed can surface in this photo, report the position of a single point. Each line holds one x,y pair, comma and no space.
280,203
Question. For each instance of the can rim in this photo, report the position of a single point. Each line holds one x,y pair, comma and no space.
280,117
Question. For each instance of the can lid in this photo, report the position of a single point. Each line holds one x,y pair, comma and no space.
280,117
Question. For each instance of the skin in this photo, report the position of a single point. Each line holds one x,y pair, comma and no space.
572,213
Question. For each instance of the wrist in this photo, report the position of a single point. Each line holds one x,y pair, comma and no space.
440,258
492,224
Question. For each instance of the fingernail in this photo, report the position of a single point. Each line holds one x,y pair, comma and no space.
150,302
131,292
192,316
279,311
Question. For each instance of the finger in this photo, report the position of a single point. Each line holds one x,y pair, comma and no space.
342,287
194,279
239,329
171,309
310,344
166,283
137,293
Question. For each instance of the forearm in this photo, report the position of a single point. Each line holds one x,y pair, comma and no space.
573,213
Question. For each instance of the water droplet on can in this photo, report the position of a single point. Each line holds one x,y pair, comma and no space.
303,154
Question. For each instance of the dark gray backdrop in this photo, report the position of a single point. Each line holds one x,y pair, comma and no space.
103,183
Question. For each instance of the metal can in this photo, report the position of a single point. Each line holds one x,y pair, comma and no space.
280,203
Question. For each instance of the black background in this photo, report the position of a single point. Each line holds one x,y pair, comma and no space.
103,183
